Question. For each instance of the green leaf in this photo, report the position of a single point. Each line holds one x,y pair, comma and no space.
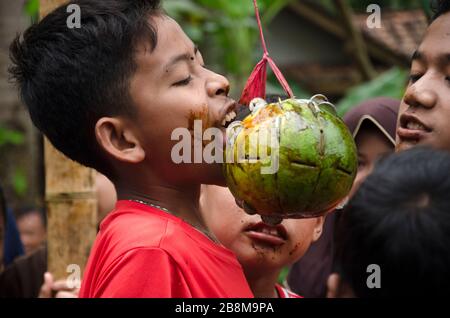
179,8
20,182
273,7
389,84
8,136
32,9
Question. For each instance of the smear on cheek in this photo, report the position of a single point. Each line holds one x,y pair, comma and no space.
199,113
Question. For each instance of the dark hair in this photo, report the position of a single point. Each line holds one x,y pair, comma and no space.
69,78
27,210
399,219
439,7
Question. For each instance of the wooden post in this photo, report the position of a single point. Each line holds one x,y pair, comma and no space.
71,203
357,41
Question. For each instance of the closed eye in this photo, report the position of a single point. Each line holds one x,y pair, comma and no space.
184,82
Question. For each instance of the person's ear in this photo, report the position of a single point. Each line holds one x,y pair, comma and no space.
118,140
318,227
333,285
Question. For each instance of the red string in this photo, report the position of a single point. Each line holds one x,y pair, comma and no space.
256,83
261,34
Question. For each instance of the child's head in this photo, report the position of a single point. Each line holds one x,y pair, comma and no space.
399,219
110,93
32,226
258,247
372,124
425,109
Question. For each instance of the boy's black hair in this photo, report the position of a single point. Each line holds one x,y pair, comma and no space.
26,210
399,219
69,78
439,7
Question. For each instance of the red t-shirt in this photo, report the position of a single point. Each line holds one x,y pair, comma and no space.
141,251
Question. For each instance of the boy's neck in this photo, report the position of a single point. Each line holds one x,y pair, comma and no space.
262,283
180,202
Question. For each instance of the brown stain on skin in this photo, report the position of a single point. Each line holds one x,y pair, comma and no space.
294,249
202,115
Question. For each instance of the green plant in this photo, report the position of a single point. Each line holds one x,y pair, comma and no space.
226,32
10,137
32,9
390,84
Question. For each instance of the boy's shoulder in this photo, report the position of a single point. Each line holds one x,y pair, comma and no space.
143,251
133,225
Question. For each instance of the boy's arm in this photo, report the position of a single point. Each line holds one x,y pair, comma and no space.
144,272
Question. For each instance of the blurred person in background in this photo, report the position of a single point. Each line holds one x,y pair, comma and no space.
393,237
32,225
27,277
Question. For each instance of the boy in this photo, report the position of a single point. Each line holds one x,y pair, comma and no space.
261,249
394,236
109,95
424,112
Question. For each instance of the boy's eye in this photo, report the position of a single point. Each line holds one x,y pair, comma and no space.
447,78
186,81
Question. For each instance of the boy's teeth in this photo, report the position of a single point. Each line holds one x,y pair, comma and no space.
269,231
228,118
415,126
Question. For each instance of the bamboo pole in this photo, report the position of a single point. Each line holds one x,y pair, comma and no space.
71,202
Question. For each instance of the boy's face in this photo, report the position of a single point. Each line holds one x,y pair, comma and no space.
425,109
256,245
171,88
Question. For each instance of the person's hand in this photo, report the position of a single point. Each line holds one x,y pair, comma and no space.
58,289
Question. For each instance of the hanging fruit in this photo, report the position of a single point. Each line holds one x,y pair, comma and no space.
289,159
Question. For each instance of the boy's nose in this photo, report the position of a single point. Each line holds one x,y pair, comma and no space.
217,85
418,95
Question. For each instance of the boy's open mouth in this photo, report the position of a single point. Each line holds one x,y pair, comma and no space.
233,113
270,235
411,129
228,114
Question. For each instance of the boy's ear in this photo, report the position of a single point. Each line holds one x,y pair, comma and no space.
318,228
118,140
